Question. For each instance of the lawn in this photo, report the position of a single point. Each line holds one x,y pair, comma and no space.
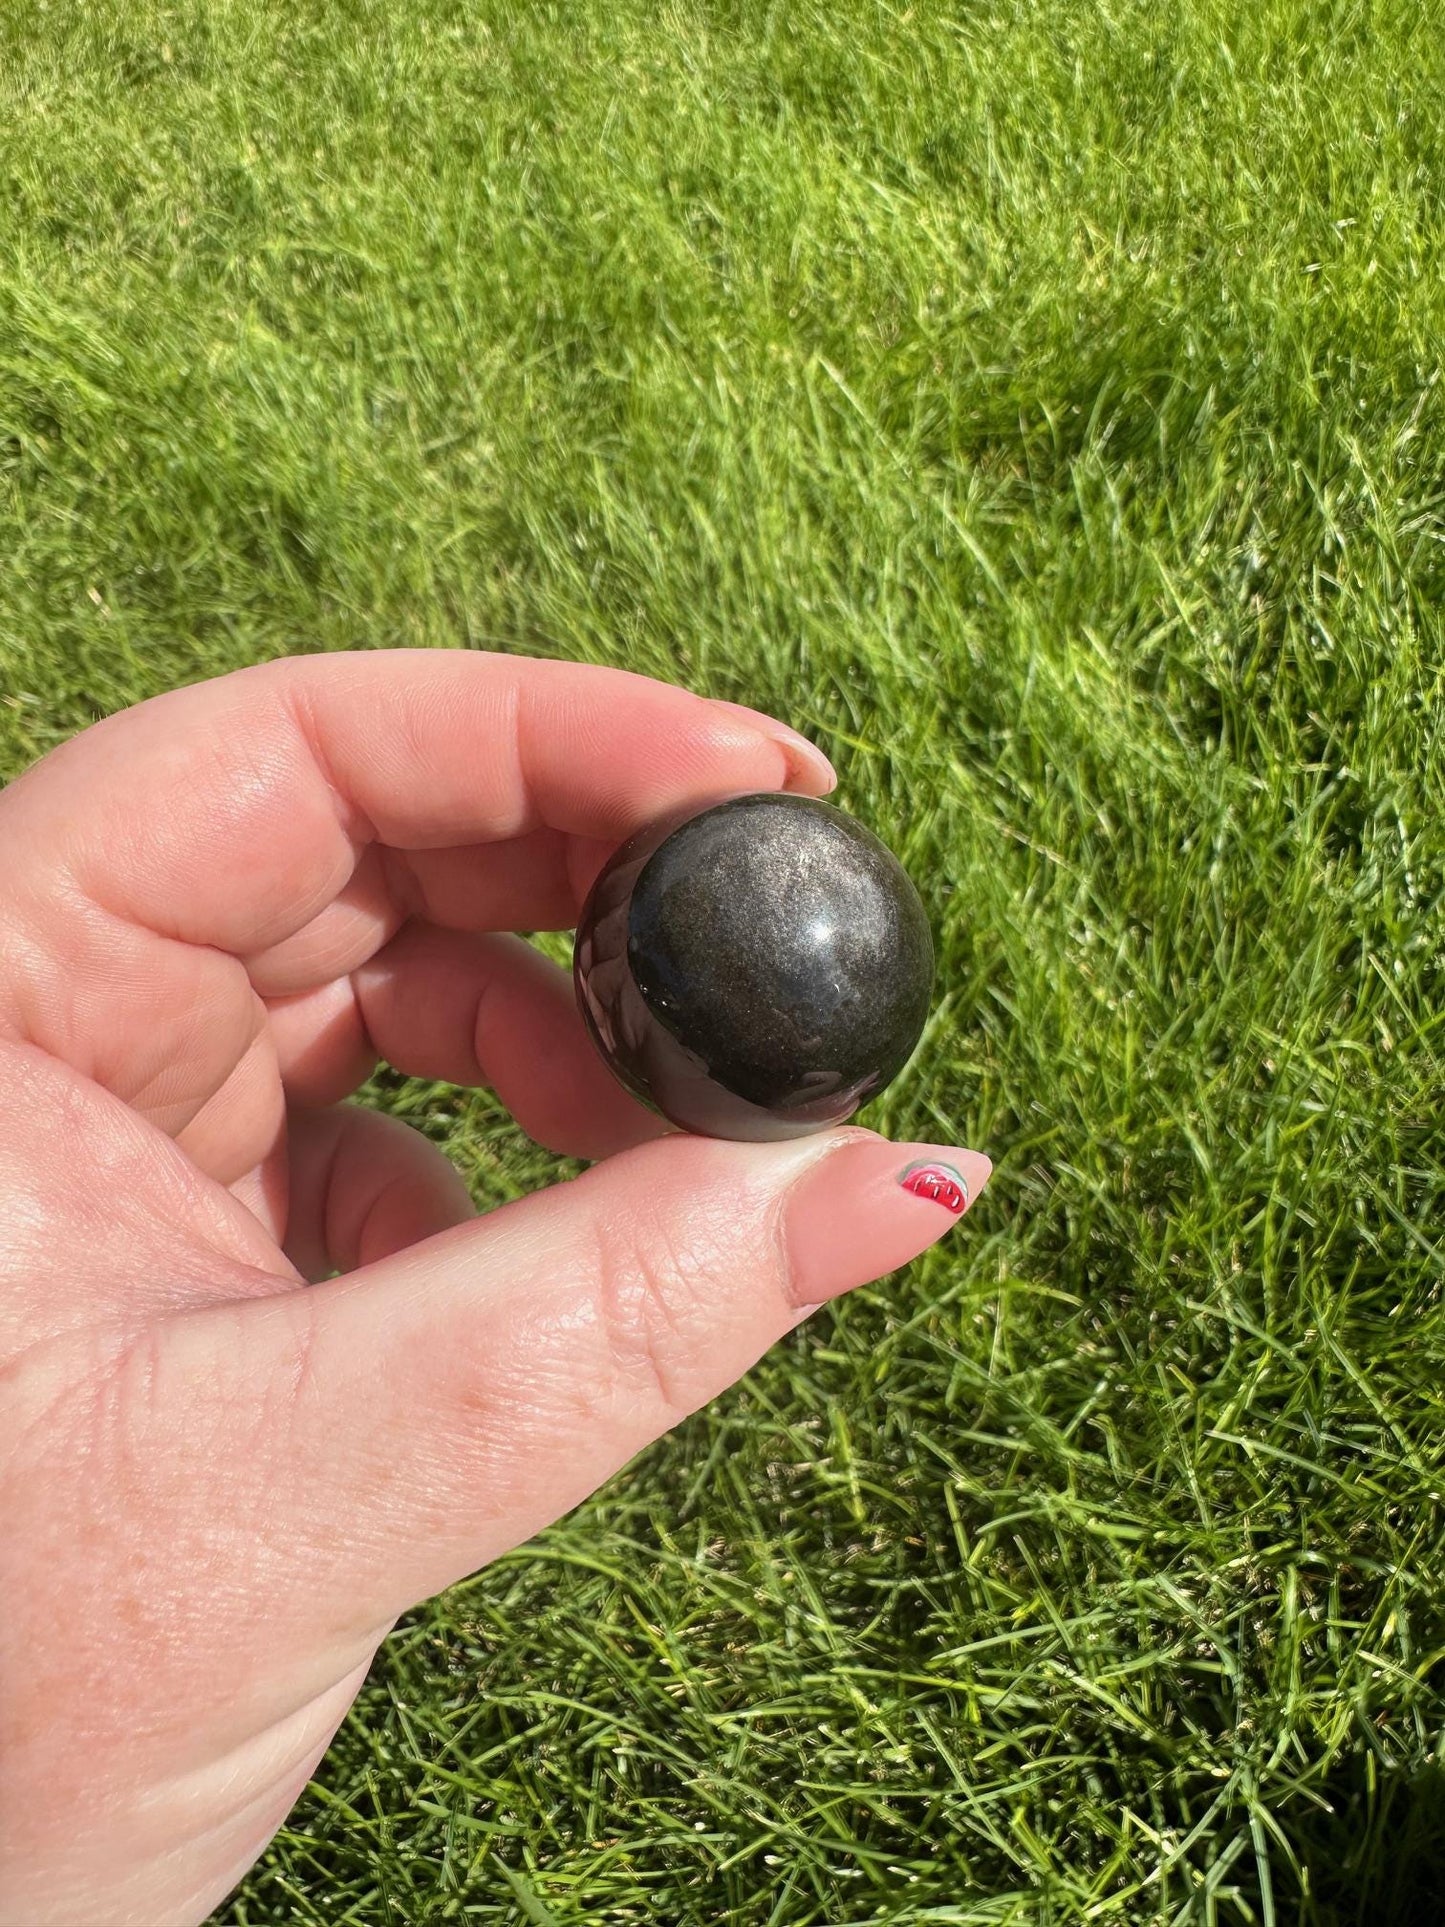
1039,403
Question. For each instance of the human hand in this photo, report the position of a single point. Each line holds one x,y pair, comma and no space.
219,1488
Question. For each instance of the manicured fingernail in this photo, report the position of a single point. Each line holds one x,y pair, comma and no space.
870,1206
804,758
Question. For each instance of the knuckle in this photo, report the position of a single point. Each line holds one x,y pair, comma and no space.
652,1298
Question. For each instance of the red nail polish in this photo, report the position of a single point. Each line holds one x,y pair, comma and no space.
938,1182
855,1214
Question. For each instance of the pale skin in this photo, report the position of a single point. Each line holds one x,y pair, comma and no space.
224,1473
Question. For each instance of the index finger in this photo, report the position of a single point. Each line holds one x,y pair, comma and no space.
230,812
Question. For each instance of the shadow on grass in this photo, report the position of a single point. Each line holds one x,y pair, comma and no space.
1379,1859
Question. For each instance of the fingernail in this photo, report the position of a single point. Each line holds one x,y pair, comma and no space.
870,1206
804,758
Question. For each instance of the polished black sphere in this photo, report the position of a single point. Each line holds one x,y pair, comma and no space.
754,968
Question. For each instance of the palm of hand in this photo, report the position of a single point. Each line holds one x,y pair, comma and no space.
219,1489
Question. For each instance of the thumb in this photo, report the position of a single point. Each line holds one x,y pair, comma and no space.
466,1391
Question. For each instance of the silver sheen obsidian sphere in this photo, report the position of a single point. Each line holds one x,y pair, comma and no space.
754,968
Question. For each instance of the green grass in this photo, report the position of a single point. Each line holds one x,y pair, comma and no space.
1038,401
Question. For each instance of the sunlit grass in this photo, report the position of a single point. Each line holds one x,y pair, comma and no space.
1037,401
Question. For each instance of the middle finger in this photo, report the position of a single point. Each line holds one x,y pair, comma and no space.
469,1008
536,881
